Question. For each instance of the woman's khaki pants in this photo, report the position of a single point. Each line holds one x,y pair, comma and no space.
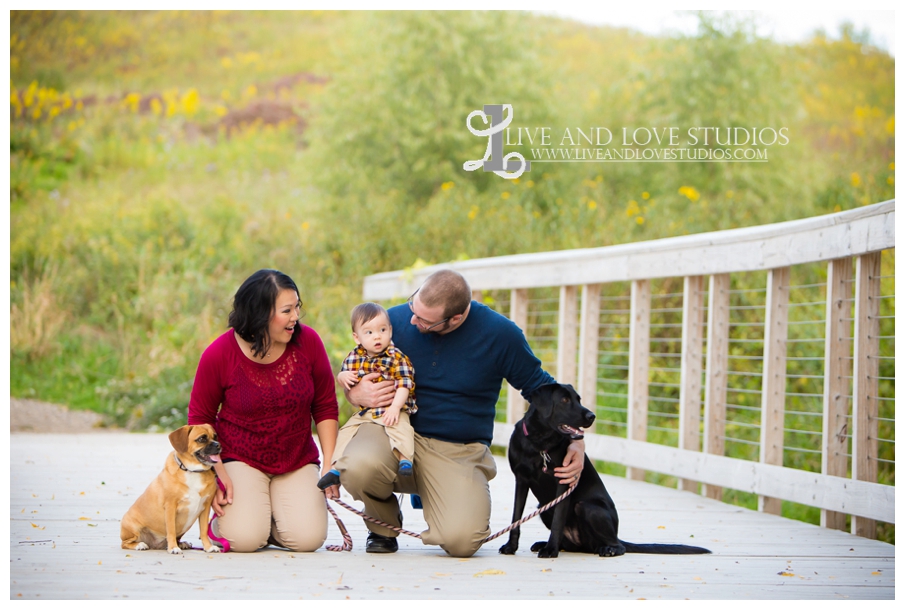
287,510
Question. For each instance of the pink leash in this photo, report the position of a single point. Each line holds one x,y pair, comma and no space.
223,542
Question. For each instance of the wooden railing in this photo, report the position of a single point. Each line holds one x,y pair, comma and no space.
842,421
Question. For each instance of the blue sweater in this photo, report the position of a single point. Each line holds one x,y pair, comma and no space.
458,376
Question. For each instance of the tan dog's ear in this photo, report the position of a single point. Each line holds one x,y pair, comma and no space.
180,438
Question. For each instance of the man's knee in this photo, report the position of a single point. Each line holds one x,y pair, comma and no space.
461,548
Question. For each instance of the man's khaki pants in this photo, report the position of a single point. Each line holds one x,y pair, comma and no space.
453,480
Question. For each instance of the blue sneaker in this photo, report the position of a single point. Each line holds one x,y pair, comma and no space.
416,502
329,480
405,468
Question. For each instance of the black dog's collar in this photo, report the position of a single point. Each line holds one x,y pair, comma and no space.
182,466
543,454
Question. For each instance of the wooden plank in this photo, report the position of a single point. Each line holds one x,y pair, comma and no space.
639,366
567,344
837,367
865,447
848,233
691,370
518,313
717,366
588,345
773,393
755,556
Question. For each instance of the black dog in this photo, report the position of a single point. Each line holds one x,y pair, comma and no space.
586,521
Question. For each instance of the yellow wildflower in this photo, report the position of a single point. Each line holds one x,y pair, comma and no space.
856,179
690,192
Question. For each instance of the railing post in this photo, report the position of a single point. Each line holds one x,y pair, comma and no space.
834,454
638,367
717,367
691,370
773,392
865,446
567,341
518,313
588,345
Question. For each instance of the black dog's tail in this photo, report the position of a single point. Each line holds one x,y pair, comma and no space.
664,549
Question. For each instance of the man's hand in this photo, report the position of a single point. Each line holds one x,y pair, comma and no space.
368,394
572,464
222,498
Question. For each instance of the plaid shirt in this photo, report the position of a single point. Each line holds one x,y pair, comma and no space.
392,364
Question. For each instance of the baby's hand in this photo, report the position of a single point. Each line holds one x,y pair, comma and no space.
391,417
347,379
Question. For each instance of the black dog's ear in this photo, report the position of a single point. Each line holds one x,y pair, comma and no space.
180,438
541,391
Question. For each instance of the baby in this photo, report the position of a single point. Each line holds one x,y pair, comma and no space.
376,353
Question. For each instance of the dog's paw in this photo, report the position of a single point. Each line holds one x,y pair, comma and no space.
185,545
141,546
537,546
175,551
212,549
611,551
508,549
547,552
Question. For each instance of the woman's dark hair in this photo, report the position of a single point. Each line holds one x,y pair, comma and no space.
253,307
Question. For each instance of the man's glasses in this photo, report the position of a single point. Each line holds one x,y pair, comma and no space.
421,321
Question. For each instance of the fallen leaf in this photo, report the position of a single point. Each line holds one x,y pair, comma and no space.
84,518
490,572
661,527
785,574
36,526
92,524
546,570
875,573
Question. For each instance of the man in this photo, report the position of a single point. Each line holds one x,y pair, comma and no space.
461,351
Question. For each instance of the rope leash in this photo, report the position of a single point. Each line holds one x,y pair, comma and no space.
347,544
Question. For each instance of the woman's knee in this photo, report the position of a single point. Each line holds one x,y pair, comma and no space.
304,540
245,534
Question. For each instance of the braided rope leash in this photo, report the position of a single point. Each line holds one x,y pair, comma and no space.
347,545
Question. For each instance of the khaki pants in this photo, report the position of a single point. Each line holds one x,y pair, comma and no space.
286,509
453,480
402,435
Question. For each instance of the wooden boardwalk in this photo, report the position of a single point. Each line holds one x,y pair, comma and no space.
68,493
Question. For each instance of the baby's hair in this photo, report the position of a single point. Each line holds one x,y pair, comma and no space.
364,313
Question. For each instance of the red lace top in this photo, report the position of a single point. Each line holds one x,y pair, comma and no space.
265,410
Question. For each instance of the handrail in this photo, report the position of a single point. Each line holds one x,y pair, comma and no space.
849,233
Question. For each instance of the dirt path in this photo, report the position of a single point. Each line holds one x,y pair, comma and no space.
35,416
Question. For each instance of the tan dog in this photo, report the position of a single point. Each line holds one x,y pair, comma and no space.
179,495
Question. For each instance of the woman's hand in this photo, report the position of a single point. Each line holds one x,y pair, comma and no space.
332,493
222,498
572,464
368,394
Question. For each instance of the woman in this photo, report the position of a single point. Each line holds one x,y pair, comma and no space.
260,384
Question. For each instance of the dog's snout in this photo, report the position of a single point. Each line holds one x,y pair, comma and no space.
589,418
